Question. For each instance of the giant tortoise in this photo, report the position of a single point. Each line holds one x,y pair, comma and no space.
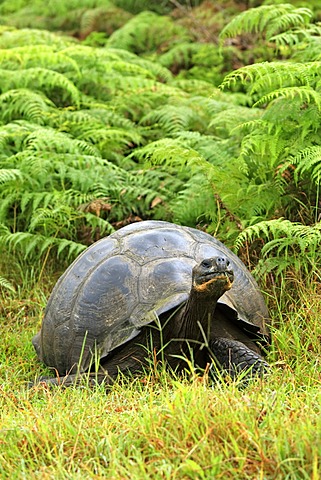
153,286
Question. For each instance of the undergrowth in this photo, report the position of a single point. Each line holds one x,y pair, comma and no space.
95,137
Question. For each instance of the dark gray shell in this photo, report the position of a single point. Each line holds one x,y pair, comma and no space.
123,281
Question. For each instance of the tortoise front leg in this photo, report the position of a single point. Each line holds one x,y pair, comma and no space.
234,357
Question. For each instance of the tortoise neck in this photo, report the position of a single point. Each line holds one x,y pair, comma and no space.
197,316
190,328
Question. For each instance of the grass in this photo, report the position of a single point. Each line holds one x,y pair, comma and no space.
158,426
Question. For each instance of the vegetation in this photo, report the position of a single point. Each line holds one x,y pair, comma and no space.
158,426
201,113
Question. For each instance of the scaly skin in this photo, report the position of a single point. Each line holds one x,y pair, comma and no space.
234,357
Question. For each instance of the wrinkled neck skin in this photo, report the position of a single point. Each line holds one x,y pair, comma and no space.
194,320
197,316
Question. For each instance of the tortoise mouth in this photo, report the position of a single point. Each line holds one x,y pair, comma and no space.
219,280
216,275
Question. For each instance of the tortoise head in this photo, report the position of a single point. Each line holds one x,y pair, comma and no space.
213,276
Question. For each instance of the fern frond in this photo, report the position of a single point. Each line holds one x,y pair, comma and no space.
40,79
268,229
266,77
260,154
32,56
146,32
193,86
171,118
141,97
297,37
159,71
85,55
270,19
105,68
126,68
308,160
305,94
24,103
106,18
5,284
12,136
215,150
108,117
111,138
169,152
7,175
44,165
69,248
310,54
28,36
53,219
179,56
32,245
140,85
47,139
109,131
294,245
188,205
226,122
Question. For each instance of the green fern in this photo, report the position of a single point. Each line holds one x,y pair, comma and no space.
94,136
106,18
34,56
37,245
305,95
41,79
61,15
59,7
7,175
25,104
146,32
6,285
272,20
287,245
47,139
171,118
188,205
306,161
179,56
27,36
226,120
287,132
167,151
260,79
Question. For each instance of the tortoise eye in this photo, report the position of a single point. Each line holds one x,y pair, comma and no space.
206,263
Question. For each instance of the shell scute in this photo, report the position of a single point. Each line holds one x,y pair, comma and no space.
160,243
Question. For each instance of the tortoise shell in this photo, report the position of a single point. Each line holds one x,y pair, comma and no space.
124,281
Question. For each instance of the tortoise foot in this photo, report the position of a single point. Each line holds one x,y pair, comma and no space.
236,358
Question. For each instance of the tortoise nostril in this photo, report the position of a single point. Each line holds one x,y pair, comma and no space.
222,262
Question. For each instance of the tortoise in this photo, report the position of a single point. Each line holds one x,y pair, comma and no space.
153,285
